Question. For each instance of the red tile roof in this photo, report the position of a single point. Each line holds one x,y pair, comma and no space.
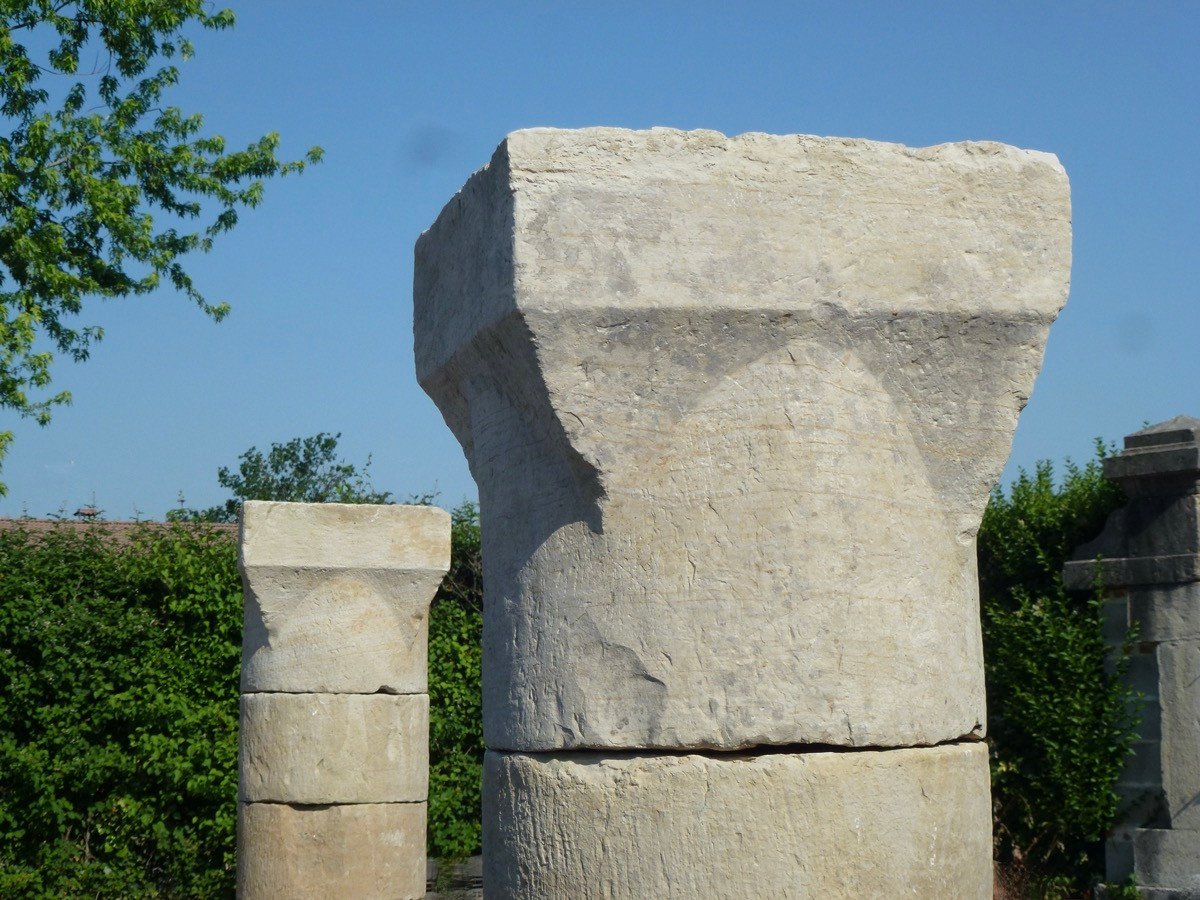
116,531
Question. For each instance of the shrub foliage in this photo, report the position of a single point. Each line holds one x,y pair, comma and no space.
118,721
455,696
1059,724
118,718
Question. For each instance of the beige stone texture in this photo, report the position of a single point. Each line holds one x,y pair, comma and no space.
734,406
334,748
356,852
896,823
337,595
344,536
1179,702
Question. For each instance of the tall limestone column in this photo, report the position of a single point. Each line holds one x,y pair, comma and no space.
333,765
734,406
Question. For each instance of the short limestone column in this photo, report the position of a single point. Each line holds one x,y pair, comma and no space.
734,406
1148,561
333,762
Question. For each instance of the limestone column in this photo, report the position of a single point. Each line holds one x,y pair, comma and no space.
1148,562
734,406
333,762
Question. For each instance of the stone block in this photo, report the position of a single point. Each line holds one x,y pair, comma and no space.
354,852
734,406
1149,725
1118,856
1179,699
1168,858
337,595
1082,574
1115,613
1165,525
334,748
1142,673
1166,612
1144,765
1140,806
897,823
344,536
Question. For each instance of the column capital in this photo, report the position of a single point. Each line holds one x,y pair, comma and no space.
1155,538
1163,451
337,595
734,406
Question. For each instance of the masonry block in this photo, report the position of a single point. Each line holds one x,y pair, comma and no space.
337,596
354,852
895,823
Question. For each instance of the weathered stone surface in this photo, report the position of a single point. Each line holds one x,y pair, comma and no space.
334,748
344,536
1155,539
1179,700
355,852
1168,448
1169,612
898,823
1168,858
1148,557
1083,574
734,406
337,595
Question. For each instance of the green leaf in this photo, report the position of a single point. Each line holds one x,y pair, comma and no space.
93,191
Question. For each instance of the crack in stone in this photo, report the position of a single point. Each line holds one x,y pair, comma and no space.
751,752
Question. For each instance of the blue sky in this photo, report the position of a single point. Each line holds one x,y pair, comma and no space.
408,98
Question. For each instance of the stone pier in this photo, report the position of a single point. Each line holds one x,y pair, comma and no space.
1147,560
333,765
734,406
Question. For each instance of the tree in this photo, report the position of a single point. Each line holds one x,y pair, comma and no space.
304,470
92,165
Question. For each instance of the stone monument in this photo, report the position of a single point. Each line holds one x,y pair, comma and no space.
333,765
1147,560
734,407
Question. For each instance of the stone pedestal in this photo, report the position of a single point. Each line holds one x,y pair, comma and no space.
1148,562
333,765
877,823
734,406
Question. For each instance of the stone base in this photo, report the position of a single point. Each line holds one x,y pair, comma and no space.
891,823
353,852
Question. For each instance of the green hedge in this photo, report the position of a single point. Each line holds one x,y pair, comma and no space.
455,696
118,722
118,717
1060,726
